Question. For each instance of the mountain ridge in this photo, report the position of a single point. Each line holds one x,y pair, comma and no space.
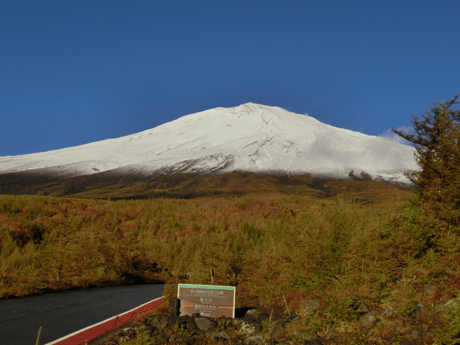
250,137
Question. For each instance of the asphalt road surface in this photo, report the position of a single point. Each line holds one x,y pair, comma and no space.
66,312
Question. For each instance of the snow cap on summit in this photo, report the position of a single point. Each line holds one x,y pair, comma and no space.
249,137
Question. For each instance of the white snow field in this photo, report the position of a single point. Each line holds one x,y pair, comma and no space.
250,137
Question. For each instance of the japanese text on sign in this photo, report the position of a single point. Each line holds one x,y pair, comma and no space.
207,300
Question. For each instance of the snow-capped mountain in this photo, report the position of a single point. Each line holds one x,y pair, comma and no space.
250,137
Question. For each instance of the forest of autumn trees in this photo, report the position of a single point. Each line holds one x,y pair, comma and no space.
437,142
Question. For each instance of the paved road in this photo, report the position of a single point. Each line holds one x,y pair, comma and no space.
64,313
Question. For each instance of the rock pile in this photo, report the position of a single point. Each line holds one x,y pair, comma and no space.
255,328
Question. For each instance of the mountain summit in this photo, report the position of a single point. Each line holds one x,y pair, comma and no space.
250,137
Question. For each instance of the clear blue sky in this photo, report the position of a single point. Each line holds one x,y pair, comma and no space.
74,72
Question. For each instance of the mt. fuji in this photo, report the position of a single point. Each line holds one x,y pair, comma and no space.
250,137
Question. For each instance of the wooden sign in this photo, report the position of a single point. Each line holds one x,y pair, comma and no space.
207,300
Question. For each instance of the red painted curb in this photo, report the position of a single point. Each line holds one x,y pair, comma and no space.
94,331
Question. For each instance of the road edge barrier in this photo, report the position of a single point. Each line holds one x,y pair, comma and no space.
97,330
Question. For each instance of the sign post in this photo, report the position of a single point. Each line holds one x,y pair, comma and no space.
207,300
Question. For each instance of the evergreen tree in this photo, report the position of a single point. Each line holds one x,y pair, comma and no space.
437,142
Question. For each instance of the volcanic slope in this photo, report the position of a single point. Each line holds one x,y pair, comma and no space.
250,137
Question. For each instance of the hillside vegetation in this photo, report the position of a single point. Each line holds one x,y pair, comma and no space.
368,241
